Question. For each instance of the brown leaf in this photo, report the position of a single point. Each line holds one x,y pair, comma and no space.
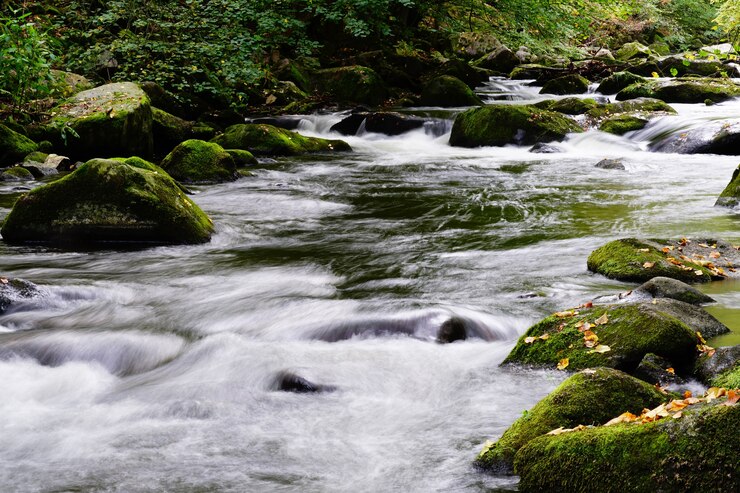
602,320
648,265
565,314
732,397
627,417
715,255
545,337
687,394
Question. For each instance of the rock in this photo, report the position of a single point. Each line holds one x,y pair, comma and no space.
568,84
14,146
590,397
242,158
288,122
353,84
169,130
498,125
720,368
730,196
621,124
660,48
296,72
111,120
448,91
711,137
290,382
640,260
656,370
60,163
524,54
388,123
719,49
16,173
665,287
631,331
15,290
640,107
266,140
35,157
542,148
610,164
502,60
618,81
196,161
605,54
632,50
452,330
459,69
540,73
572,106
166,101
683,90
472,45
106,201
66,84
284,93
692,453
673,66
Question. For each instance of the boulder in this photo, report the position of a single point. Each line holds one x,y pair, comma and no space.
353,84
639,260
196,161
266,140
618,81
730,196
571,106
679,66
388,123
543,148
459,69
567,84
67,84
640,107
621,124
16,173
453,329
166,101
169,130
711,137
499,125
104,201
721,368
501,60
472,45
242,158
610,164
590,397
448,91
683,90
14,146
632,50
15,290
110,120
666,287
657,370
690,450
286,381
615,336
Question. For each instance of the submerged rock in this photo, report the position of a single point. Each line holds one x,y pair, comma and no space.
108,200
610,164
722,368
286,381
730,196
684,90
712,137
388,123
498,125
617,336
15,290
196,161
448,91
266,140
568,84
688,453
590,397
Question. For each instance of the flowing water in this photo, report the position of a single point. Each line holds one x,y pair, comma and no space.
154,370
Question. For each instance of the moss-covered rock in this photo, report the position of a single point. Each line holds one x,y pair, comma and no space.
693,453
266,140
721,368
110,120
621,124
448,91
108,200
730,196
498,125
535,71
571,106
66,84
169,130
462,70
14,146
353,84
590,397
568,84
720,136
196,161
683,90
501,60
618,81
16,173
632,50
242,158
665,287
35,157
640,107
473,44
681,66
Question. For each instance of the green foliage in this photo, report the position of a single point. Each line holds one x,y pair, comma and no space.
728,18
25,68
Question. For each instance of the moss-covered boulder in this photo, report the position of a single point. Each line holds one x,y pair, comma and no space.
501,60
472,76
266,140
568,84
498,125
681,66
473,44
720,368
694,451
196,161
615,336
169,130
621,124
353,84
448,91
631,50
66,84
569,106
640,107
618,81
590,397
14,146
540,73
16,173
683,90
665,287
730,196
639,260
242,158
110,120
108,200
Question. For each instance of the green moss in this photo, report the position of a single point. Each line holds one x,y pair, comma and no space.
197,161
621,124
267,140
242,158
641,107
625,260
572,106
590,397
169,130
568,84
618,81
16,173
730,196
685,90
633,331
108,201
729,379
448,91
352,84
632,50
35,157
14,146
693,453
498,125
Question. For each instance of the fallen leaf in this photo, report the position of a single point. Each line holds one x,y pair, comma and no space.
529,340
668,249
684,241
563,364
678,415
590,339
565,314
627,417
601,348
545,337
715,393
703,245
715,255
671,371
584,327
556,431
643,250
660,389
675,405
4,280
700,337
687,394
648,265
602,320
732,397
698,273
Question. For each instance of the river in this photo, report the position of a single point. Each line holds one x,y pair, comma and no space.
153,370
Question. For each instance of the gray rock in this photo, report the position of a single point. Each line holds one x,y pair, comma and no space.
724,358
610,164
15,290
665,287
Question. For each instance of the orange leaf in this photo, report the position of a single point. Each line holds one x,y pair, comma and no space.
565,314
563,364
732,397
715,255
671,371
627,417
687,394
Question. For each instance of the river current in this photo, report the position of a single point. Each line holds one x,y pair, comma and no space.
154,370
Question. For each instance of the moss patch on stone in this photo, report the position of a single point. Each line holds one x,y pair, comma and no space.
267,140
621,124
590,397
498,125
683,90
568,84
197,161
572,106
730,196
618,81
107,200
242,158
448,91
729,379
16,173
693,453
14,146
352,84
